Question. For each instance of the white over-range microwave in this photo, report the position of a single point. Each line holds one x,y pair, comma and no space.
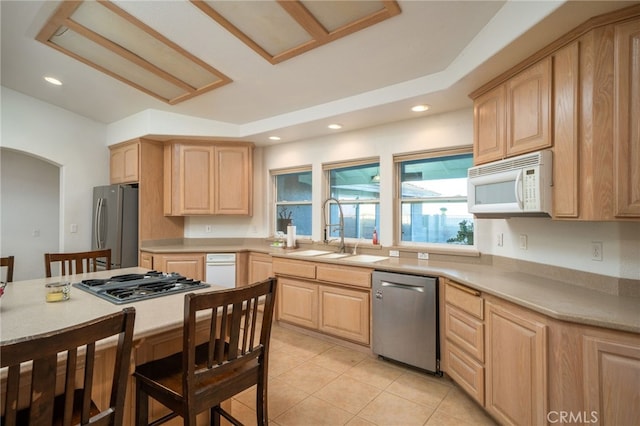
515,186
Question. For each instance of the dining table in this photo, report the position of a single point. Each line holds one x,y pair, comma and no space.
25,312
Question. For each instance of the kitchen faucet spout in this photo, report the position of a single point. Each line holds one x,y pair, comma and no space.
328,225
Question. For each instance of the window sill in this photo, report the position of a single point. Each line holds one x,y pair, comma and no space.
453,250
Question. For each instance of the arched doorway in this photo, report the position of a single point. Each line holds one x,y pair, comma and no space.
29,211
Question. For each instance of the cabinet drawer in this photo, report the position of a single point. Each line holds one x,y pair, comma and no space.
465,298
295,268
360,277
466,372
465,331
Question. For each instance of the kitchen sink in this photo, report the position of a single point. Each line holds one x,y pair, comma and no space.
367,258
310,252
334,255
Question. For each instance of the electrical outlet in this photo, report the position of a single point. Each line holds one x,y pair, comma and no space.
523,242
207,228
500,239
423,256
394,253
596,250
74,228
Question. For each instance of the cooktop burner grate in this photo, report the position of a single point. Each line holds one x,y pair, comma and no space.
129,288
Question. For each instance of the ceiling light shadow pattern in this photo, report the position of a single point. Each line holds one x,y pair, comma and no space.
107,38
282,29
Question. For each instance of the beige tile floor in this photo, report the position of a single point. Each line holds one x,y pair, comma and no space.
316,382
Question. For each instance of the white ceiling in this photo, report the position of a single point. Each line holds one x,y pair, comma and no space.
434,52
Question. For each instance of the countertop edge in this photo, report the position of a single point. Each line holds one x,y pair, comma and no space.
560,300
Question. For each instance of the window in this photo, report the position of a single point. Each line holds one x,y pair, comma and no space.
433,200
293,200
357,188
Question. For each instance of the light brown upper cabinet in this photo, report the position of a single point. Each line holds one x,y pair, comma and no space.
626,118
514,118
124,162
597,125
580,95
208,178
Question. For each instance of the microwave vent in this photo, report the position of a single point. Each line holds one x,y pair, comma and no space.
514,163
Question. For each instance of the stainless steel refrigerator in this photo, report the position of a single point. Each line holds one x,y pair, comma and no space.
115,223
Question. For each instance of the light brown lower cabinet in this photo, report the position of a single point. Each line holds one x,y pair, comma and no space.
516,365
190,265
612,381
331,299
260,267
463,352
594,375
298,302
146,260
344,313
526,368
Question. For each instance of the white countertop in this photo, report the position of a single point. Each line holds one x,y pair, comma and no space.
24,311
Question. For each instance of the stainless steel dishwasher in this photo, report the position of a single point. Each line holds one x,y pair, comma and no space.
405,319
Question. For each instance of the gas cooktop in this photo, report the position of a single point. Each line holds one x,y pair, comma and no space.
129,288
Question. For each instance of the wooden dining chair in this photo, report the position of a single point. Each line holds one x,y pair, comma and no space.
8,263
233,357
77,263
41,357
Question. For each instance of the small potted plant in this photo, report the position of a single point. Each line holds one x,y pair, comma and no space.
284,218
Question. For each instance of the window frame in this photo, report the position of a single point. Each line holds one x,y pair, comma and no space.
326,190
398,159
274,173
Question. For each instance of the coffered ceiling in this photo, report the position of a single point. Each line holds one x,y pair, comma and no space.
261,68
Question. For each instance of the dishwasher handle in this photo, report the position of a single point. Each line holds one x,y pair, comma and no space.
418,288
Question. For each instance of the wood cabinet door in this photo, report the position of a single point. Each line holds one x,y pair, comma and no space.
260,267
611,381
626,129
146,260
566,183
194,189
233,180
489,126
124,165
345,313
297,302
187,265
516,366
529,109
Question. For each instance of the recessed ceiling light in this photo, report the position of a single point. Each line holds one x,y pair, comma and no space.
335,126
53,81
274,138
420,108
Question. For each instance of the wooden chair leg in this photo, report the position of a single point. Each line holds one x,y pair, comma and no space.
142,406
261,404
214,416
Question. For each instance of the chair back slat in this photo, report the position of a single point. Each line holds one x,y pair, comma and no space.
89,366
236,341
72,363
8,262
70,345
77,263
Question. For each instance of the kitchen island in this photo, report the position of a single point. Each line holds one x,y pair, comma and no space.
158,325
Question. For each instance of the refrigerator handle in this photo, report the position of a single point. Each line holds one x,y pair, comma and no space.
97,223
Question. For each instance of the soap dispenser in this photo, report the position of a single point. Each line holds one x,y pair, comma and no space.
374,238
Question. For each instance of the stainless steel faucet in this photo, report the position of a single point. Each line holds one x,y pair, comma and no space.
328,226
